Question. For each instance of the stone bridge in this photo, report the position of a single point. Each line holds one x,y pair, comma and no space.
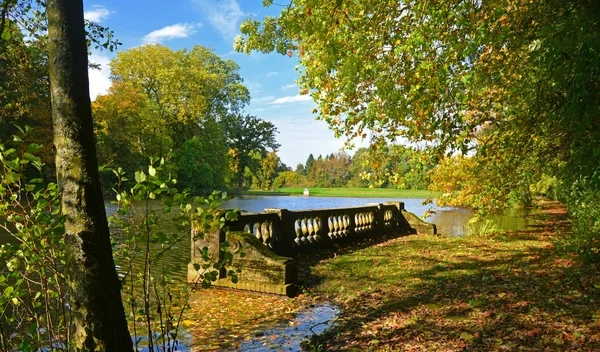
272,239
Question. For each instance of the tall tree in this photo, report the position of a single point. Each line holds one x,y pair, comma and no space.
309,164
98,308
333,171
180,89
203,164
245,135
264,176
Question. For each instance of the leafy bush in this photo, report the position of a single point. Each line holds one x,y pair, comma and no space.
583,202
155,298
34,300
35,294
289,179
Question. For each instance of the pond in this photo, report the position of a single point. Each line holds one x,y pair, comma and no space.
449,221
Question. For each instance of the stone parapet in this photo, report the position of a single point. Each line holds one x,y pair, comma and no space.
271,239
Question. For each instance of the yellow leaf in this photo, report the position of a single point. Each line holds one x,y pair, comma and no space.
188,323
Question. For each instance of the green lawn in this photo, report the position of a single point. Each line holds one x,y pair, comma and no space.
510,291
351,192
502,292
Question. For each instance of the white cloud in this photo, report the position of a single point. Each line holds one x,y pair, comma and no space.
291,99
99,79
97,14
261,100
179,30
224,15
271,74
289,86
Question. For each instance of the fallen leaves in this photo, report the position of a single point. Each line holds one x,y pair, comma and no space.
220,319
508,292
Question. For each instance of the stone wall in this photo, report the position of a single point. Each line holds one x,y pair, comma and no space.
272,238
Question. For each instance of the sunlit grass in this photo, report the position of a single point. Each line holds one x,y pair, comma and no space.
494,291
351,192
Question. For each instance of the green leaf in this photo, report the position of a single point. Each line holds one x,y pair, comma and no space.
12,177
42,203
6,35
31,157
230,215
140,177
466,336
34,147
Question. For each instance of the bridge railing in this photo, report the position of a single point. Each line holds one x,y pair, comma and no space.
275,235
287,232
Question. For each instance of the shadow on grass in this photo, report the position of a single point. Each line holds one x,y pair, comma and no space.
426,293
307,261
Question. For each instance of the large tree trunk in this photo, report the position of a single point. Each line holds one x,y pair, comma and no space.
100,321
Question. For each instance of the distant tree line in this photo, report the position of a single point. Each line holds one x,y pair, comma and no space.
393,166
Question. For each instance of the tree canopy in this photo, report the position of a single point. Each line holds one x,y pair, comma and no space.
510,84
179,90
246,135
492,76
188,102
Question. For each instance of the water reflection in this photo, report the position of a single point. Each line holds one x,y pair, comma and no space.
455,221
314,320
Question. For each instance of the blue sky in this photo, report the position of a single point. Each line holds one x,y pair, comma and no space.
214,23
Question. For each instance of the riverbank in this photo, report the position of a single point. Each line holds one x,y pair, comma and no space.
500,291
347,192
503,291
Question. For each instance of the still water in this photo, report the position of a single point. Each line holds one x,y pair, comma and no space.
449,221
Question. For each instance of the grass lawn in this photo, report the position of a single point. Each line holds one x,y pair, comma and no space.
351,192
502,292
506,292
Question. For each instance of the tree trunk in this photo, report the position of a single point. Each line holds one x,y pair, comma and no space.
100,322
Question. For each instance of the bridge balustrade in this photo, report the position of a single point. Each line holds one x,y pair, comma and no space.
272,238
